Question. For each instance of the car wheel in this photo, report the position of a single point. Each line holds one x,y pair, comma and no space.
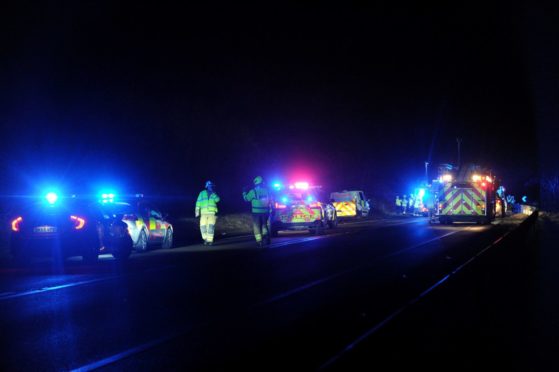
123,249
168,239
142,243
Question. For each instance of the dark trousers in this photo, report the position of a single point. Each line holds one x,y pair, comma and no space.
260,222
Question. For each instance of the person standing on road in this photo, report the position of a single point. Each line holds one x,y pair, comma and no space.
411,201
260,200
206,209
398,204
404,204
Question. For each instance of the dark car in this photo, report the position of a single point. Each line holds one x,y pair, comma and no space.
68,227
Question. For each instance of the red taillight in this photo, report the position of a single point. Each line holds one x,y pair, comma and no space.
483,184
314,205
79,222
15,223
280,206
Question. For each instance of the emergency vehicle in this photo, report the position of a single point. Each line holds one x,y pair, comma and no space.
147,226
60,226
350,203
298,207
464,194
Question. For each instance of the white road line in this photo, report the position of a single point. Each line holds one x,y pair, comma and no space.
317,282
394,314
12,295
138,349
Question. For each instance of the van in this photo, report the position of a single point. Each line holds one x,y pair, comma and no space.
350,203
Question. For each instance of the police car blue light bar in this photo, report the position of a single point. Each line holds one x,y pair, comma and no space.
107,197
51,197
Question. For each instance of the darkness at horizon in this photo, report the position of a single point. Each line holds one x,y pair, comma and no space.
160,100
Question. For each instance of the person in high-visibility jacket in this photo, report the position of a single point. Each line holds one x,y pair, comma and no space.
398,204
404,204
206,209
260,200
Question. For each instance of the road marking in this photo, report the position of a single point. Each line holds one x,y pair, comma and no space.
138,349
317,282
113,358
394,314
10,295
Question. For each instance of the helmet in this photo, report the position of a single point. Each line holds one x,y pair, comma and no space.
258,180
209,184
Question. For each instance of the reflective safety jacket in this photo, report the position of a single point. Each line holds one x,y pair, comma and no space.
259,197
207,203
398,202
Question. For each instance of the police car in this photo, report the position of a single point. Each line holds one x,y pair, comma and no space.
64,226
298,207
147,225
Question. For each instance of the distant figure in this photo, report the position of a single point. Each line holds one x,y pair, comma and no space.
404,204
206,209
417,206
411,201
260,200
398,204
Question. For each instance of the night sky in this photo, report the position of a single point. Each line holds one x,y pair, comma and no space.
157,99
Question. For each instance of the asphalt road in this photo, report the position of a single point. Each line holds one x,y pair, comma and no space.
304,303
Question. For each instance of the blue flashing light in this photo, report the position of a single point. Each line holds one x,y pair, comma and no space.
277,185
284,199
421,193
309,198
107,197
51,197
524,199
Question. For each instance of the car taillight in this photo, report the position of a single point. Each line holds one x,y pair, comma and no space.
15,223
79,222
314,205
129,217
280,206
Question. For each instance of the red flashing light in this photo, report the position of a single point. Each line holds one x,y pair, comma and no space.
79,222
15,224
280,206
483,184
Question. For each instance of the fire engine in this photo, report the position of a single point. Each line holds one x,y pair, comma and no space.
464,194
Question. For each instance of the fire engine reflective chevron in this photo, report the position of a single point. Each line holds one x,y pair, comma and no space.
463,201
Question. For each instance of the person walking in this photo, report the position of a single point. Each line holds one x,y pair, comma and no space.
206,209
260,200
